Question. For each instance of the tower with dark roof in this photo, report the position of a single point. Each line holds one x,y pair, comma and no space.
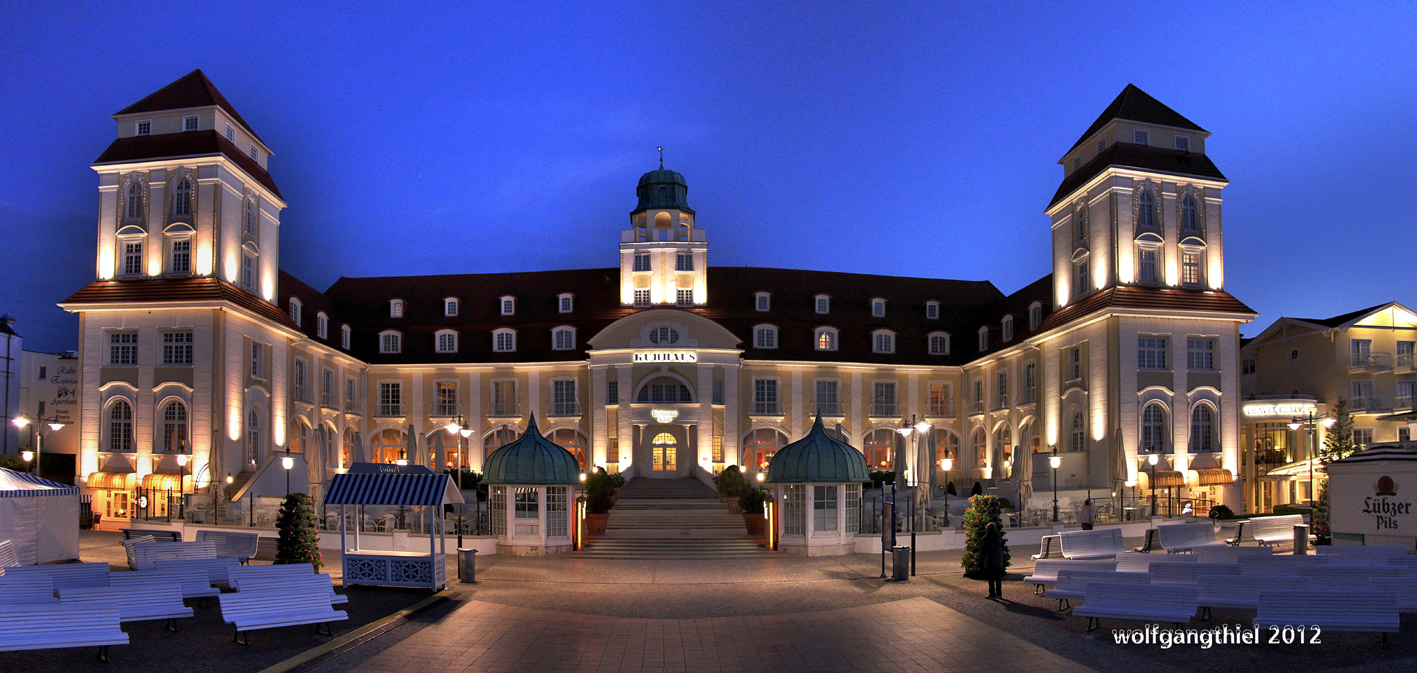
663,256
1139,204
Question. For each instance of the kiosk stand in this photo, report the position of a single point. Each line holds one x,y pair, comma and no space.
411,486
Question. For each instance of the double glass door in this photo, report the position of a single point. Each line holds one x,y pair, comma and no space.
664,453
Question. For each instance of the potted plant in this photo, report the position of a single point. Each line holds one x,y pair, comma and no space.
600,497
618,481
752,502
730,484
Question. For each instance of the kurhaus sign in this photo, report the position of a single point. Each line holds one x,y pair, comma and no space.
1278,408
666,357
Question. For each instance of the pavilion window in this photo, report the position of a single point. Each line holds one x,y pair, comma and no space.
853,508
794,519
824,508
499,510
556,511
528,511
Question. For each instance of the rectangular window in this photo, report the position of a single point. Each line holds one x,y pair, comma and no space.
883,399
1183,143
685,299
396,308
1141,137
853,507
1362,437
447,342
504,398
932,310
1200,354
1101,145
1248,366
43,374
1362,351
447,404
230,133
123,349
190,122
828,403
1001,390
765,397
177,348
450,307
322,326
143,128
824,508
941,403
641,298
564,303
684,262
499,510
248,272
344,336
717,392
556,510
823,305
1035,317
1008,330
885,342
563,398
878,308
509,306
390,343
255,154
1362,398
977,406
504,342
794,510
257,370
390,399
1404,354
765,337
642,262
1075,363
351,395
132,259
1151,352
1081,278
1191,268
1404,395
528,506
612,392
983,340
1030,383
563,339
181,256
301,391
327,388
1147,257
939,344
764,301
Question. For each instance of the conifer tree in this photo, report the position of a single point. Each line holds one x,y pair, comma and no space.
299,540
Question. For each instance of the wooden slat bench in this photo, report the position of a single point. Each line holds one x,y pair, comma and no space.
1143,602
1190,573
1268,530
1242,535
43,627
1403,589
26,590
192,581
163,534
1363,612
146,555
1148,542
1349,577
1045,572
251,611
1187,537
251,583
153,602
242,546
1279,565
8,557
216,567
1241,592
1137,562
128,548
68,574
1071,584
1358,550
1102,543
1046,547
1229,554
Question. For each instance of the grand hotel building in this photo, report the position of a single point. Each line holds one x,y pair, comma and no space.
195,342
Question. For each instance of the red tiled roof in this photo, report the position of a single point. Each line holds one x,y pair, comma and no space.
191,90
1130,297
154,290
1144,157
186,144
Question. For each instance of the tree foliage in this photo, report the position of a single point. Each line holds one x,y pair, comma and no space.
1338,440
982,509
299,540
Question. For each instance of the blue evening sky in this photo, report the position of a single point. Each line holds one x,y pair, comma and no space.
892,138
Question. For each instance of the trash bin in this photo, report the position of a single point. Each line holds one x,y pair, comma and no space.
467,565
900,563
1301,540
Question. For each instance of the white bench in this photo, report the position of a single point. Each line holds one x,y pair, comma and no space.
43,627
1229,554
1364,611
1358,550
67,574
1241,592
1046,572
128,548
1136,562
1091,544
1349,577
284,581
242,546
146,555
1187,537
1280,565
167,534
1242,535
216,567
192,581
8,557
153,602
26,590
250,611
1146,602
1190,573
1148,542
1072,584
1403,589
1046,546
1267,530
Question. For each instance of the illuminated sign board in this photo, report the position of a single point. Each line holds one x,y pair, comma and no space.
665,357
1278,408
664,415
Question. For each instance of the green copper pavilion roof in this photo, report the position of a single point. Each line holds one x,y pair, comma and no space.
532,459
817,459
662,189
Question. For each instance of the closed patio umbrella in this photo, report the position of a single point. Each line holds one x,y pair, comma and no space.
412,451
360,455
315,458
1023,469
1117,463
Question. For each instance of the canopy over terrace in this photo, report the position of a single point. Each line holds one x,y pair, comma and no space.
394,485
39,517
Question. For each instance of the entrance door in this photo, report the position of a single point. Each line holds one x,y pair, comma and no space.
664,455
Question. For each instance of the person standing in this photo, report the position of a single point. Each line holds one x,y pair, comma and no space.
1087,515
992,547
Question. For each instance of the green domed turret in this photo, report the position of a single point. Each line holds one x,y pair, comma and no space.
662,188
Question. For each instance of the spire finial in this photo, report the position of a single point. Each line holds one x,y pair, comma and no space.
661,158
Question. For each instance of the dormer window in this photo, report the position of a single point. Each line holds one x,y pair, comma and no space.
983,339
295,311
824,304
345,335
322,325
1035,316
563,339
939,343
765,336
1141,137
390,342
504,340
1007,327
395,308
255,153
565,302
878,308
932,310
450,307
1183,143
883,341
190,122
763,301
826,339
447,341
230,133
143,128
509,305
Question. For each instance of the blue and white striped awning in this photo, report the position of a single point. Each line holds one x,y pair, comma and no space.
20,485
392,489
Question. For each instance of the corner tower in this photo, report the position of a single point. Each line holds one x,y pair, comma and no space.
1139,204
663,256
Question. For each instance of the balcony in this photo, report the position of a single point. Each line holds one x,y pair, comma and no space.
443,410
829,408
884,410
1369,362
565,409
976,407
1001,402
941,410
1405,360
1402,403
766,409
503,410
390,410
301,394
351,407
1368,404
1028,396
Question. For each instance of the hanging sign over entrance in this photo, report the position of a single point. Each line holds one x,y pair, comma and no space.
665,357
664,415
1278,408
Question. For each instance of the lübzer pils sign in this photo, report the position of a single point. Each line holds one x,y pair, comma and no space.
1373,498
1389,511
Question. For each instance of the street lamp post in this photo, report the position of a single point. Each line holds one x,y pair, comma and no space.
287,463
946,464
1313,446
1055,462
913,430
1151,460
182,486
53,423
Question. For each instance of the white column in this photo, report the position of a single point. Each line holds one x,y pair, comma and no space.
705,433
798,411
599,432
625,431
858,409
731,440
474,421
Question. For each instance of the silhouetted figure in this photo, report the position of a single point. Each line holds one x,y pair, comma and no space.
992,547
1087,515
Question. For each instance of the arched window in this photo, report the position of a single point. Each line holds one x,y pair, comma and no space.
248,219
1004,442
563,338
1153,428
1146,218
504,340
1202,429
878,308
346,455
120,427
182,198
760,446
765,336
446,341
981,449
1188,213
253,437
388,446
571,440
174,428
879,448
826,339
134,202
664,453
946,444
499,438
939,343
1077,441
664,389
299,434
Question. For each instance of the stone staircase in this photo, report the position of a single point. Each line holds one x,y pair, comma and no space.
671,519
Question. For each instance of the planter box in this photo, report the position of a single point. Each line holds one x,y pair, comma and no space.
595,523
757,524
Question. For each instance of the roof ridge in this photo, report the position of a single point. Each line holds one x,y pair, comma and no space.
1144,108
193,89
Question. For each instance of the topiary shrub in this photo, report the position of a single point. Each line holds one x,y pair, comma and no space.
730,482
1221,512
299,540
599,492
982,509
752,500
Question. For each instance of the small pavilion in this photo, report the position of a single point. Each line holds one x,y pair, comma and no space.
532,486
817,482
